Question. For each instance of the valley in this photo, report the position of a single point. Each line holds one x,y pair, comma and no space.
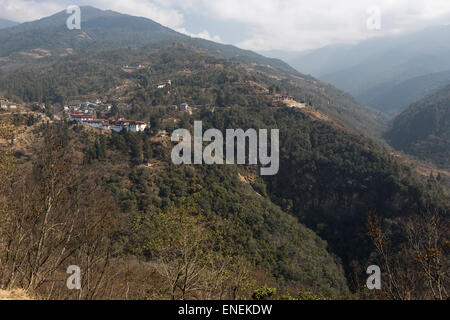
81,185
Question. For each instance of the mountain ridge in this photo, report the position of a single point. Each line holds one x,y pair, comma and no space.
104,27
367,68
108,30
5,23
423,128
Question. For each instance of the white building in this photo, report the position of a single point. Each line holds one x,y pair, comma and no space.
109,124
98,124
81,117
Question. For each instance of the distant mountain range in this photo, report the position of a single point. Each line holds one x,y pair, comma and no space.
7,23
386,73
423,129
392,98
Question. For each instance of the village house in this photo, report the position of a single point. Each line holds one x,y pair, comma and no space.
4,104
88,107
137,126
164,85
128,125
284,97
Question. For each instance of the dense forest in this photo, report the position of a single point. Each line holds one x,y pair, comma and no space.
423,129
272,226
198,78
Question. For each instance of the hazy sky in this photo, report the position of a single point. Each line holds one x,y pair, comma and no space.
260,25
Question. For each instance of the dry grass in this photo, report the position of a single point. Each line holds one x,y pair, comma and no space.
16,294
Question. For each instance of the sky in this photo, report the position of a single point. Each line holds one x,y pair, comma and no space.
263,25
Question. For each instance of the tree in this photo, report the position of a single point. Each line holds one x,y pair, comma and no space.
53,216
182,250
187,256
417,266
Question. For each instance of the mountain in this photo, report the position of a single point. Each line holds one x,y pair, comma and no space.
106,30
46,40
327,165
392,99
7,23
423,129
230,231
369,69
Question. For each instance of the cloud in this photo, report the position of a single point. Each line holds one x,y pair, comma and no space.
166,16
292,25
203,35
29,10
25,10
304,24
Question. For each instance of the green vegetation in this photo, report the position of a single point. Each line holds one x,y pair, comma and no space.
197,78
423,129
147,229
331,179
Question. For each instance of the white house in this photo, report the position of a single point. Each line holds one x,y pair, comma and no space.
108,124
98,124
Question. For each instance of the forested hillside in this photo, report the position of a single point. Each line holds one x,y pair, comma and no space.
333,180
392,99
141,227
109,30
42,42
423,129
7,23
199,78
